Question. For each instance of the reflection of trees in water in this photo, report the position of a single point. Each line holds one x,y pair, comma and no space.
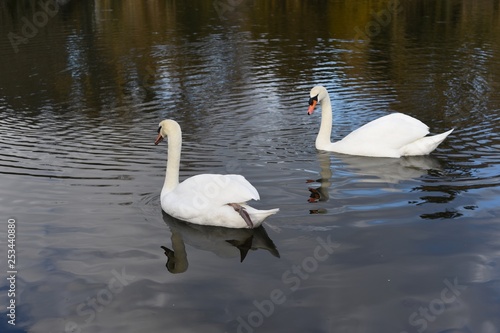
148,50
224,242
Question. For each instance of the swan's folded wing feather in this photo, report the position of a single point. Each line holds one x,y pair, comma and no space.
218,189
391,132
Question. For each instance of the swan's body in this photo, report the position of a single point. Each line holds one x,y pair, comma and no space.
207,199
394,135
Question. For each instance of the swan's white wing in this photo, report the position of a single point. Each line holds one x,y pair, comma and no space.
394,131
383,136
218,189
204,199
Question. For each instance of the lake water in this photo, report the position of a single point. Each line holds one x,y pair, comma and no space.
359,245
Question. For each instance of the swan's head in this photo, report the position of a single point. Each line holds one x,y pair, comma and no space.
166,127
317,94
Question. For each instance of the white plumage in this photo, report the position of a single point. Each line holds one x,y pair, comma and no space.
394,135
206,199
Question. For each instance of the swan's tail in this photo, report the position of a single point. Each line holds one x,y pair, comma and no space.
268,212
258,216
425,145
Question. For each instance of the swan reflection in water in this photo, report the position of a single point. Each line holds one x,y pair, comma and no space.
224,242
385,171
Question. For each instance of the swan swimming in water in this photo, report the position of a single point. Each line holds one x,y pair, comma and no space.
206,199
394,135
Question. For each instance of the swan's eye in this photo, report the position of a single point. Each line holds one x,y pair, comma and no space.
159,129
315,98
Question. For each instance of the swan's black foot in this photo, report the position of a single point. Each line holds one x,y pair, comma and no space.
243,213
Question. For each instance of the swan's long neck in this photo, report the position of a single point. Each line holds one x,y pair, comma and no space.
325,130
173,159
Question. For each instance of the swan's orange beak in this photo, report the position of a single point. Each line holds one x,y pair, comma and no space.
312,106
159,139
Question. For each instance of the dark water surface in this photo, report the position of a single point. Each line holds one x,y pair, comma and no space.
360,244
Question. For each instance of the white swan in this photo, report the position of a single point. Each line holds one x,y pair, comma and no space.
394,135
207,199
